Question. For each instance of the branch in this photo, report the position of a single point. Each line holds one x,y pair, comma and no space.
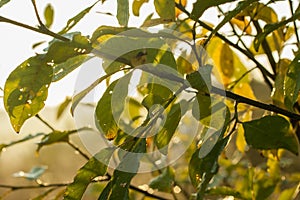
44,122
38,30
294,23
264,72
268,107
78,150
39,186
37,14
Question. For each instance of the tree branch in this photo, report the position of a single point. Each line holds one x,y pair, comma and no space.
38,30
268,107
264,72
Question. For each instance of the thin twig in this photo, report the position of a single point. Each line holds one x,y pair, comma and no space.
44,122
233,84
294,23
268,107
42,31
78,150
37,14
264,71
39,186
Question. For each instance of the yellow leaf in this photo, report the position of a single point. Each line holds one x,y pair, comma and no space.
243,24
240,142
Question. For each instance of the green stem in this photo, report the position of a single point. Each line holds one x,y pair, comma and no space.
38,30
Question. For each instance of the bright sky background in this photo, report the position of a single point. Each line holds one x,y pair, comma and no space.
16,42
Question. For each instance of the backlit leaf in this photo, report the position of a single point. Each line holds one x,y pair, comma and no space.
123,12
164,182
74,20
165,8
105,114
278,90
62,107
118,187
202,170
95,167
164,136
63,69
291,84
269,28
3,2
26,89
55,137
49,15
270,132
136,6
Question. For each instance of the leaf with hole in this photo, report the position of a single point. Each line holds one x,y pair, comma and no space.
26,90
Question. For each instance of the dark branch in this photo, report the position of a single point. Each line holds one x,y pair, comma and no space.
254,103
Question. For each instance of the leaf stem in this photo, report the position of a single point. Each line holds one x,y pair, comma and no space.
44,122
37,14
38,30
76,148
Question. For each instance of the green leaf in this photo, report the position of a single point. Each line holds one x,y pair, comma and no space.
95,167
269,28
107,30
59,52
202,5
270,132
49,15
291,84
263,186
33,174
74,20
201,79
26,89
62,107
165,8
55,137
3,2
288,193
104,115
136,6
202,169
164,136
118,187
64,68
228,16
224,191
123,12
260,11
165,181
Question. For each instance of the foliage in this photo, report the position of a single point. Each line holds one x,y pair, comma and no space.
230,122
